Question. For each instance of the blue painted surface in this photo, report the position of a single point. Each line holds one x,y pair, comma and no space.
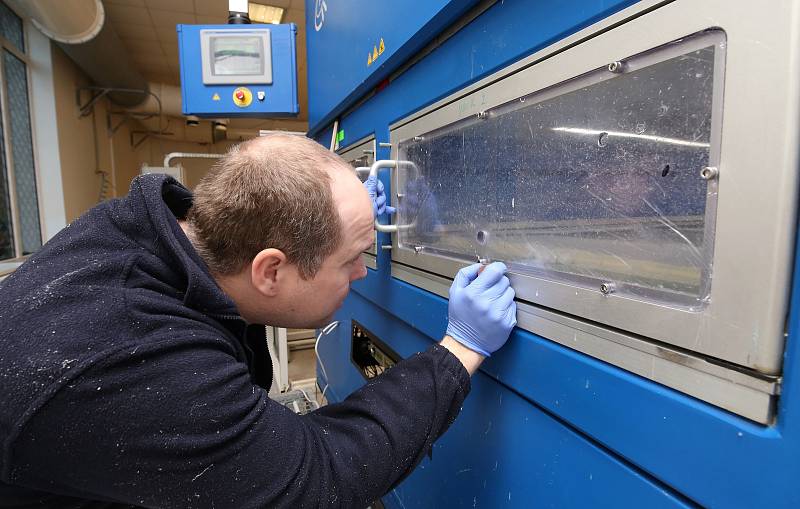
280,96
339,52
517,453
583,416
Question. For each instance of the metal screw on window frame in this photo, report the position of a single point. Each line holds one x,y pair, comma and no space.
607,288
418,138
616,67
483,115
709,173
418,249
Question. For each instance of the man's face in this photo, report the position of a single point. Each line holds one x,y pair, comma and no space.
313,302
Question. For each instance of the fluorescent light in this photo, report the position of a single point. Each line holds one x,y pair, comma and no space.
649,137
265,13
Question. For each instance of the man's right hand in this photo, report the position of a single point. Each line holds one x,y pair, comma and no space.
482,310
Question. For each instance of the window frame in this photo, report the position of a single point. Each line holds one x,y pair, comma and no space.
7,45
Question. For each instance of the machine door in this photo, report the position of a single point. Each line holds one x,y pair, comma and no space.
627,182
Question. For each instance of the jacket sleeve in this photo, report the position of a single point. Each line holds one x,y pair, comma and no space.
181,425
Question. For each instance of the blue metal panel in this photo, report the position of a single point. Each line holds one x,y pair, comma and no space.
656,435
518,455
280,97
343,37
517,30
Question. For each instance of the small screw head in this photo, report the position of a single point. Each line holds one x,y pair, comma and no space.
607,288
418,249
418,138
483,115
709,172
616,67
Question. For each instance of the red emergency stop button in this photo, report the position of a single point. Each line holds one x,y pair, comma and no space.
242,97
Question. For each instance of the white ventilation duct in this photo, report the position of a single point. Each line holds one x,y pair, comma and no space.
168,95
66,21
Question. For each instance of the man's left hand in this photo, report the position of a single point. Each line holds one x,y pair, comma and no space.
378,196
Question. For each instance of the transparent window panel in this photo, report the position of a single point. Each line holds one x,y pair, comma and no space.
22,151
595,181
11,27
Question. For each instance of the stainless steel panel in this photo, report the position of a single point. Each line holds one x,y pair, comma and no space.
746,395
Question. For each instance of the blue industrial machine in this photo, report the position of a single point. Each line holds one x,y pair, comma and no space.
238,70
635,164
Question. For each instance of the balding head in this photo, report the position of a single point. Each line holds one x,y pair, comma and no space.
274,191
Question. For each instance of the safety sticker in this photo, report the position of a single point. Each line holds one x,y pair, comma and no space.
377,50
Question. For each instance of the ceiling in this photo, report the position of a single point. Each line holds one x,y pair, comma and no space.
147,28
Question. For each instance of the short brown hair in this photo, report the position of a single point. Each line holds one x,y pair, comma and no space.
273,191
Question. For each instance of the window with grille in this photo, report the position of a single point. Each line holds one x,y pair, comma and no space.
20,228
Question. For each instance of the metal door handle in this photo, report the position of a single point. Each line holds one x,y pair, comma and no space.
362,172
373,170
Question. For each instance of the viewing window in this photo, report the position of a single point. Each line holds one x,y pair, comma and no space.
605,180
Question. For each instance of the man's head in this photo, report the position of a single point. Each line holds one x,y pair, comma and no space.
281,222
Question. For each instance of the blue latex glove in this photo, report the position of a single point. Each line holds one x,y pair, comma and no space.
482,310
378,196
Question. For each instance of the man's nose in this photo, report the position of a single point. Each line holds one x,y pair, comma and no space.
360,271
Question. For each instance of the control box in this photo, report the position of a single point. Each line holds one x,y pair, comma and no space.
238,70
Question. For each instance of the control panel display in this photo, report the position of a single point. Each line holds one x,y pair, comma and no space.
243,56
238,56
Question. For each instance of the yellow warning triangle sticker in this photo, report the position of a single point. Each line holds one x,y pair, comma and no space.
374,53
381,47
215,97
369,59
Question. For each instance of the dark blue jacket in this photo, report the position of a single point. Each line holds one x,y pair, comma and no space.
127,379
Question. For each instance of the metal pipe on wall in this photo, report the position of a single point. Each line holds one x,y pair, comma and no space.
189,155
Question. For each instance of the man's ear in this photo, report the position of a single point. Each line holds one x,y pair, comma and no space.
264,271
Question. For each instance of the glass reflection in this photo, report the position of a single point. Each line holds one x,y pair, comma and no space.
599,183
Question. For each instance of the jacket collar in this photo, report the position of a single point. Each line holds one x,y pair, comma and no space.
166,201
